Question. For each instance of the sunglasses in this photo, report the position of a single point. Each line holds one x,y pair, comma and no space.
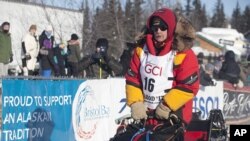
162,28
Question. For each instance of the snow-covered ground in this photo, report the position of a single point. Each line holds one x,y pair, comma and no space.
21,16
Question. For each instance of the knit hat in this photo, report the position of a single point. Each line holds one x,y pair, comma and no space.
4,28
200,55
49,28
74,37
33,26
157,22
209,67
5,23
102,42
230,55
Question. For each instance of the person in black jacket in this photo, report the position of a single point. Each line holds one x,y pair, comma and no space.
60,57
99,64
230,69
46,54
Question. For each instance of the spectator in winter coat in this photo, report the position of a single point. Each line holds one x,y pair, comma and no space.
230,69
206,75
74,56
30,48
126,55
200,58
163,78
60,57
46,54
100,64
217,67
6,55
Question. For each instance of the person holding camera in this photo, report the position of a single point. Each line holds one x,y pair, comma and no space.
99,64
30,51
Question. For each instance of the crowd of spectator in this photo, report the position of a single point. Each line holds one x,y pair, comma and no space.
64,59
57,60
225,68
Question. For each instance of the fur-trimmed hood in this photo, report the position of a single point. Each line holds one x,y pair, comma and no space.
184,28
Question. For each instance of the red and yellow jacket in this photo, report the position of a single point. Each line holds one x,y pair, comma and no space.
185,85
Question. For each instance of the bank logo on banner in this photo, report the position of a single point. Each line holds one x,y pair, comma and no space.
87,113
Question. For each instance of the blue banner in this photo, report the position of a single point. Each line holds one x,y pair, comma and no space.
38,110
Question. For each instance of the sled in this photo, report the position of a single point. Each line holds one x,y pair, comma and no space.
145,130
172,129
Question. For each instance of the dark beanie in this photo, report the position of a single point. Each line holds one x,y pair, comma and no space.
102,42
74,37
5,23
156,21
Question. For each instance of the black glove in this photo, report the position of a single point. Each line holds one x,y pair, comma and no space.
27,57
11,58
96,57
213,83
105,58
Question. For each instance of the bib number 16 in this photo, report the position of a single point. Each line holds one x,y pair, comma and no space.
149,84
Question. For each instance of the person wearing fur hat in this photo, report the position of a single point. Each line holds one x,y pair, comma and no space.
30,51
6,55
163,73
73,57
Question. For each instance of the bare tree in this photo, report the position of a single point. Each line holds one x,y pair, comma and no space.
56,17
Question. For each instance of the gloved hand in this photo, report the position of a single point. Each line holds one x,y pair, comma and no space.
96,57
214,83
138,111
162,111
43,51
105,57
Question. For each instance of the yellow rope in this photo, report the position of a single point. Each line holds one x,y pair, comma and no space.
100,69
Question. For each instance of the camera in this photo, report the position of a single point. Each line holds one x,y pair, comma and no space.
102,49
